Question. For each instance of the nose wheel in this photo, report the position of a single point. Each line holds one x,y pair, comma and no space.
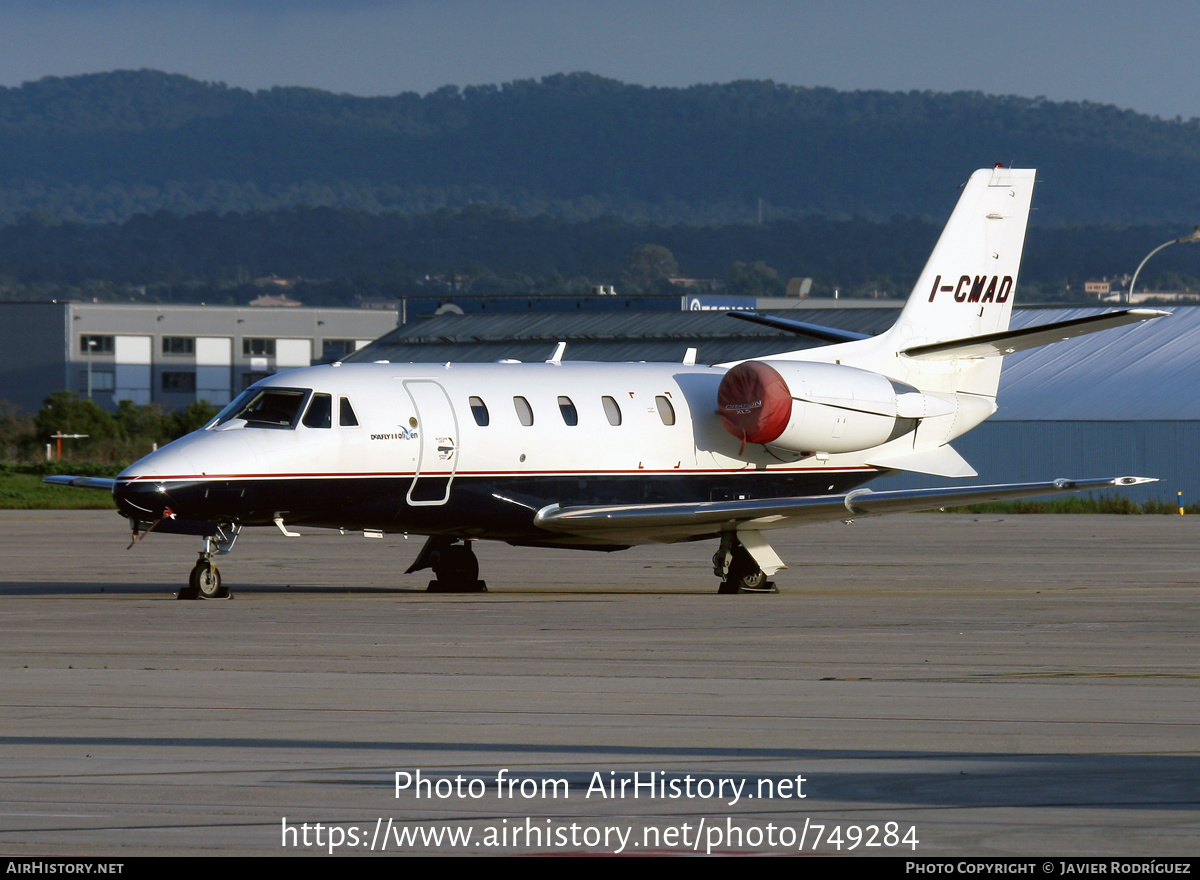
205,581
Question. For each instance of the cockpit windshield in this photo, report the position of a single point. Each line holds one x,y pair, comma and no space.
266,407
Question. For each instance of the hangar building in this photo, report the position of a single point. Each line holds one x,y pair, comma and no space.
166,354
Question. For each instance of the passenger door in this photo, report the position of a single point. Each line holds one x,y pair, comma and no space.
437,432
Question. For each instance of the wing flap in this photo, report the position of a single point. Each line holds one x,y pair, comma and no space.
639,523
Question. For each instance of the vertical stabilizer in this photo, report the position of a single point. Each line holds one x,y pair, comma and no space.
967,287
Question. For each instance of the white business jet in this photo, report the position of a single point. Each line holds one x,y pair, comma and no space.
602,456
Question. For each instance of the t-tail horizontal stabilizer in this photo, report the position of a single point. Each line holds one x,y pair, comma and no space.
1008,341
800,328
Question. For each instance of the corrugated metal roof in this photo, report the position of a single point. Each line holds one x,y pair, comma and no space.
1148,371
604,336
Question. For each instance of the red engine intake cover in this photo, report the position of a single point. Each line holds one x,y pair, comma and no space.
754,402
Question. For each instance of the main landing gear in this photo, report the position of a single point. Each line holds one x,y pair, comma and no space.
205,581
454,565
738,570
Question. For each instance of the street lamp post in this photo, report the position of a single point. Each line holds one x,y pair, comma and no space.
1195,236
91,343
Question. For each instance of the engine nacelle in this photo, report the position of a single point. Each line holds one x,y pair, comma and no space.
812,407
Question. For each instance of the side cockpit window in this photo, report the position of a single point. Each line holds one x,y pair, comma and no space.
266,407
346,416
320,412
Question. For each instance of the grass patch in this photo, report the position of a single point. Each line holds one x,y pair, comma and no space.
21,486
1102,503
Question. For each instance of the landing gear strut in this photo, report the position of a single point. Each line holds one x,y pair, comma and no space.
454,565
738,570
205,581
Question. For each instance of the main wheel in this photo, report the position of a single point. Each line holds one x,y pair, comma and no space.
205,580
752,580
456,563
457,571
744,574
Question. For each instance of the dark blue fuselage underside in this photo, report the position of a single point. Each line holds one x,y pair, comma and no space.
494,507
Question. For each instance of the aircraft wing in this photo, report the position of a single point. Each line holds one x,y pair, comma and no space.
1008,341
106,483
675,522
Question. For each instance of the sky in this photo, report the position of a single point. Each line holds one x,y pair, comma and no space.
1140,56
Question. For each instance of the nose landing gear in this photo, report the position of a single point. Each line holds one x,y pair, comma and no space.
205,581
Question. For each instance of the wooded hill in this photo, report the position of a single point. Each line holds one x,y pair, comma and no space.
105,147
344,253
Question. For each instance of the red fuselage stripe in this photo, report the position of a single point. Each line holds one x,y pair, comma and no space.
642,471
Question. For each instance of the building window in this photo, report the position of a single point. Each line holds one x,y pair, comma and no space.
95,344
336,349
178,345
666,412
479,411
249,379
179,382
524,411
569,413
102,380
252,347
611,410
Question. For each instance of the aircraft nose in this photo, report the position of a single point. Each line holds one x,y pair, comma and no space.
142,490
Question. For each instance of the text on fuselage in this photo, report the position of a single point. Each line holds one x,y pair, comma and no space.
979,289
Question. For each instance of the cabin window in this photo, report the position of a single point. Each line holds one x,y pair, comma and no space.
524,411
611,410
666,412
479,411
320,412
346,416
569,413
266,407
